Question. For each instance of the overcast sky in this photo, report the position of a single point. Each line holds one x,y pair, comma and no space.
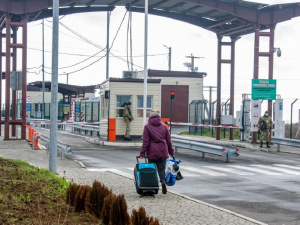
185,39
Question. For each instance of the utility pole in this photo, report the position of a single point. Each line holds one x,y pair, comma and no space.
67,77
170,51
192,65
107,45
192,61
54,91
210,102
43,68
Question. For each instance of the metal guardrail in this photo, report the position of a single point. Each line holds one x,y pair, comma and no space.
61,146
285,141
205,148
91,128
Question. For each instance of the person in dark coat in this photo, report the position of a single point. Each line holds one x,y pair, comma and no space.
157,145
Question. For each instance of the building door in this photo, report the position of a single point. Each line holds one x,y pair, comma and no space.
180,103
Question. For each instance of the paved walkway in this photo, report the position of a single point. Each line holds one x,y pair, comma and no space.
170,209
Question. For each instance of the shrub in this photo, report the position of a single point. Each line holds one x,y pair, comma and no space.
118,212
95,198
107,204
140,218
71,193
80,197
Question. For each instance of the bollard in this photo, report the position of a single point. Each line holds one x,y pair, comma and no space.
30,134
36,140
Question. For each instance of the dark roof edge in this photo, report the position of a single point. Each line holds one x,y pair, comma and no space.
183,74
134,80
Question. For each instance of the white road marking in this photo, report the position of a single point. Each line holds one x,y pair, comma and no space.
202,170
209,170
256,170
185,174
229,170
287,166
278,169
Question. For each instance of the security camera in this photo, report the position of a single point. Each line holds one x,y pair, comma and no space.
279,52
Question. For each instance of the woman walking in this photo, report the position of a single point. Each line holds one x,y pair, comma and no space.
157,145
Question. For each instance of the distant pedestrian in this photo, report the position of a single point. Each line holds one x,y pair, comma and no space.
127,117
157,145
265,125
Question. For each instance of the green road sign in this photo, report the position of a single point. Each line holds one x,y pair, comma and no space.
263,89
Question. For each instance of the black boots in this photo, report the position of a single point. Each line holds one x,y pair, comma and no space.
164,187
261,144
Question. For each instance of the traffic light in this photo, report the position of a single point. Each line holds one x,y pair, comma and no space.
172,94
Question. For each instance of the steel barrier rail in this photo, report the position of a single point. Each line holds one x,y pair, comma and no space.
285,141
202,125
64,123
90,128
205,148
61,146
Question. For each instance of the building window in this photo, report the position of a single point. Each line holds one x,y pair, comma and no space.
120,104
140,106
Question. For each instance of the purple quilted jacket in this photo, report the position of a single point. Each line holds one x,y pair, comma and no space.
156,140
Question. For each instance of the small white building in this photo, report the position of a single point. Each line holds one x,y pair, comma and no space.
188,86
124,90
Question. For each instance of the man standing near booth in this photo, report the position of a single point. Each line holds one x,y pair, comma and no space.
265,125
127,117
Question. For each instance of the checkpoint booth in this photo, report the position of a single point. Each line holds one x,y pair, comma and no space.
114,92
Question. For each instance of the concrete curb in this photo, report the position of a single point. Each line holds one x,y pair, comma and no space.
81,164
109,143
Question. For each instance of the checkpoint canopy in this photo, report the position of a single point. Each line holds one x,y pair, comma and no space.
263,89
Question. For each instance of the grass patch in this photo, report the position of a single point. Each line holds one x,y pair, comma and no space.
29,195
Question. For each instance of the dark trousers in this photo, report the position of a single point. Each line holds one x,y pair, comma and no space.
161,166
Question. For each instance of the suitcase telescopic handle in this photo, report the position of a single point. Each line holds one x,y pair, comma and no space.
137,159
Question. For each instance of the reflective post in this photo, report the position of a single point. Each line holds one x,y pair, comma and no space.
291,126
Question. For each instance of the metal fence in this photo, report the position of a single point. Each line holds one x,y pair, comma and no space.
198,113
83,111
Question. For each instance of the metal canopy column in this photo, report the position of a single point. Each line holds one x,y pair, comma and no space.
1,55
258,54
232,65
218,112
14,92
7,79
13,25
230,61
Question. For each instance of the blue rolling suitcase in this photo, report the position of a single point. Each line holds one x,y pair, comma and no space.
146,178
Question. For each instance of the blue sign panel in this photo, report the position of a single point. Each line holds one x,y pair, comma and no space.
28,106
77,107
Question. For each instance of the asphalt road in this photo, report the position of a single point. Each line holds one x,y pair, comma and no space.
263,186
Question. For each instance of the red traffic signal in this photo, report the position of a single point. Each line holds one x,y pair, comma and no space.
172,94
